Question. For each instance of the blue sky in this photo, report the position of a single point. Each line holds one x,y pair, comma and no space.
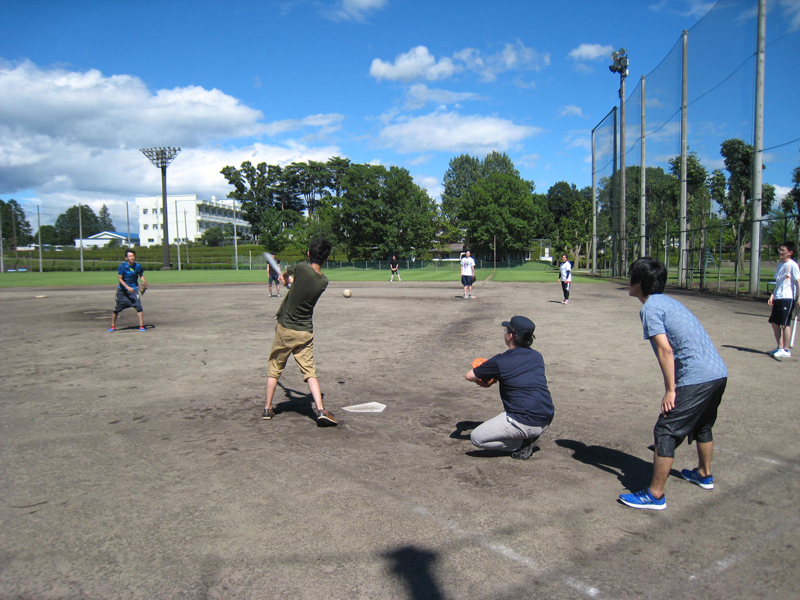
85,84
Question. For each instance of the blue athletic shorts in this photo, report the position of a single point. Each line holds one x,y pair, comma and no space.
782,311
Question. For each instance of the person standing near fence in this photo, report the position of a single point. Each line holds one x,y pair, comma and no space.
395,268
565,277
273,276
128,295
467,274
784,298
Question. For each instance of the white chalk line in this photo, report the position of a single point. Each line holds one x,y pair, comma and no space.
505,551
764,459
756,544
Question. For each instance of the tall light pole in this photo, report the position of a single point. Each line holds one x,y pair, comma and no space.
162,157
620,66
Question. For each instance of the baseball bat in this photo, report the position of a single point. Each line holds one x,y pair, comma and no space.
794,328
272,262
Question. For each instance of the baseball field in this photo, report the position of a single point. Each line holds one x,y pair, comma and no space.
136,465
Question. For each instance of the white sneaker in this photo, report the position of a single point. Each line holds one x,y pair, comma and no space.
774,352
782,354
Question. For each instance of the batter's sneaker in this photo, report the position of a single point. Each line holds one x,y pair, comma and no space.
707,483
526,450
325,419
268,413
644,499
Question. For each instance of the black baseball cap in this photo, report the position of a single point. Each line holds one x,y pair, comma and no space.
520,324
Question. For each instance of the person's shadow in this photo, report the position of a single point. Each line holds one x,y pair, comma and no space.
633,472
414,566
298,402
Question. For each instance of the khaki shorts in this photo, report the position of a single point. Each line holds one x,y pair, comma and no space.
300,344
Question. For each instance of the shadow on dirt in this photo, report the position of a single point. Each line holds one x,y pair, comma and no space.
299,402
632,472
415,567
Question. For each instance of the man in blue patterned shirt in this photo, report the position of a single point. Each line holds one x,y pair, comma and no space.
128,289
694,382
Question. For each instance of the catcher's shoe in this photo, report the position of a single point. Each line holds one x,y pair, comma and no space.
325,419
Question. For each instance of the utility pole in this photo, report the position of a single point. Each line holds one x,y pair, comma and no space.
80,233
642,187
161,158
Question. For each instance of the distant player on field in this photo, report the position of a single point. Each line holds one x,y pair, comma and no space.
467,274
694,382
294,331
565,277
784,298
395,267
273,276
128,289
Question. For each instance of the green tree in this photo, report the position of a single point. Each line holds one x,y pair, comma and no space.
49,235
16,229
499,207
68,224
462,172
213,237
410,215
274,237
106,224
253,188
362,218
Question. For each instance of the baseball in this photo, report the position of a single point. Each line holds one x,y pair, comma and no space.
347,293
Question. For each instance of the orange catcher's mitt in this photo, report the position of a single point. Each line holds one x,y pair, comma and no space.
477,363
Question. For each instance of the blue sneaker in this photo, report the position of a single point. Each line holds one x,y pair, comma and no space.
644,499
707,483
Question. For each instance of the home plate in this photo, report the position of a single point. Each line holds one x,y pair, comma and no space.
375,407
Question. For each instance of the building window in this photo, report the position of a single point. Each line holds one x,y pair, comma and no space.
155,211
155,225
144,211
145,226
151,240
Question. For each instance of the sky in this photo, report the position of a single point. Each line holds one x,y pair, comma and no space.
85,84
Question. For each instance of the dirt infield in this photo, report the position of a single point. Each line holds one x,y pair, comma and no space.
136,465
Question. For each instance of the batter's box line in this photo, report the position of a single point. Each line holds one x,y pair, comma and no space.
510,553
770,461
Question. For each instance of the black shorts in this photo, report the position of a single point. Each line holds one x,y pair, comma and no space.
467,280
782,311
273,277
127,299
694,415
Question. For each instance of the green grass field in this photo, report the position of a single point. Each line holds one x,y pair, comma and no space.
526,273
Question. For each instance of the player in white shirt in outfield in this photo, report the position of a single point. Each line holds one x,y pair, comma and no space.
565,277
467,274
784,298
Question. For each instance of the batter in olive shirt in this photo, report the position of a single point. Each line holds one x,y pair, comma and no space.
297,308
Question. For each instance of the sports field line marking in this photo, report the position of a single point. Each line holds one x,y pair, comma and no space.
755,545
764,459
510,553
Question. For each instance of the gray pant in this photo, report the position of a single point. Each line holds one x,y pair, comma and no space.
504,433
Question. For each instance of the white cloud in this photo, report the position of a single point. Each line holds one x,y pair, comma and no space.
419,63
586,52
430,184
452,132
570,110
781,191
529,160
75,136
790,9
419,95
354,10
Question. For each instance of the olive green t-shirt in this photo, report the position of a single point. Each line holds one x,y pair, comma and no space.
297,307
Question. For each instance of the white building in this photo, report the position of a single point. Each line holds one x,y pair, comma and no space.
188,218
102,239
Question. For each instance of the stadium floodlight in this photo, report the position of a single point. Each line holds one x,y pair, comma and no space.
161,158
620,66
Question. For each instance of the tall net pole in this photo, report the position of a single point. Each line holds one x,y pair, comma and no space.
758,151
682,260
161,158
620,66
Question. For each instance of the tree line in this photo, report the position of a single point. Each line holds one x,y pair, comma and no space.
17,230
